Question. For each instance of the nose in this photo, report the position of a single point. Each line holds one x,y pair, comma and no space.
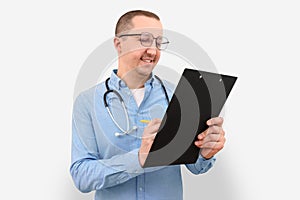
151,51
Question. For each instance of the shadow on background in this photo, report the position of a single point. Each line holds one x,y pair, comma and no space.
70,192
218,183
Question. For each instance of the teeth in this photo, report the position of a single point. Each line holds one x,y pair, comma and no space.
148,61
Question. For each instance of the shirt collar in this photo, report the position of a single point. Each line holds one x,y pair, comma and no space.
116,82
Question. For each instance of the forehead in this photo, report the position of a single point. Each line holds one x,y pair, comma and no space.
146,24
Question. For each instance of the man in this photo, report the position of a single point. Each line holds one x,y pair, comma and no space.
110,142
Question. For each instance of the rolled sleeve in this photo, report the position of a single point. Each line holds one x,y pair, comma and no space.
202,165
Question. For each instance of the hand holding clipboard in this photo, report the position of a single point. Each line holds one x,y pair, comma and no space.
199,96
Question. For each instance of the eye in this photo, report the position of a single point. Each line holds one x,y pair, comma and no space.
146,40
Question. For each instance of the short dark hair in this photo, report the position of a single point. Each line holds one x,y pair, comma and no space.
125,21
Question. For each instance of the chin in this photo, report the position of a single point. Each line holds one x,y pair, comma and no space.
145,69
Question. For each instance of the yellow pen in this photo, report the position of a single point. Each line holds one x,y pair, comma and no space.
145,121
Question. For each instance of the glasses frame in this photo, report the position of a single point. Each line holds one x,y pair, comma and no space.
154,38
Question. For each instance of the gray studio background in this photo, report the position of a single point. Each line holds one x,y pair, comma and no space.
44,44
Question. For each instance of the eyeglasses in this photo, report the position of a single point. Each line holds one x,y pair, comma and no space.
146,40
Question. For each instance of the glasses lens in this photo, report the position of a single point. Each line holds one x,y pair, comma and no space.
162,42
146,39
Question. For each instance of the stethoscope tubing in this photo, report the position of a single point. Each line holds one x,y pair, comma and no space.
108,90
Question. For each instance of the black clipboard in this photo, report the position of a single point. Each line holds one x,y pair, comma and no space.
199,96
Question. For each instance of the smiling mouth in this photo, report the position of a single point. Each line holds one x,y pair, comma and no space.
147,60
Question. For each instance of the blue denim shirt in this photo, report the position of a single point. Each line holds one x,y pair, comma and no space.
109,164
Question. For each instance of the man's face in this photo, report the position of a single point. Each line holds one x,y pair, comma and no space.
133,56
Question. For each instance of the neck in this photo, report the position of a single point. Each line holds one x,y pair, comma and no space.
132,79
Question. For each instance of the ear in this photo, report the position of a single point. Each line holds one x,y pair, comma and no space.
117,44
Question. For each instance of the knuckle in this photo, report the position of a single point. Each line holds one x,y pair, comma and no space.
157,120
223,132
221,119
213,129
222,146
215,147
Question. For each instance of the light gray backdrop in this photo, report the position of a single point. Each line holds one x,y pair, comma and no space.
43,46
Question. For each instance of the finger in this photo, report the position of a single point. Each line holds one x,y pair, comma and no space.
148,136
211,130
202,135
215,130
152,128
198,143
208,142
153,125
154,121
213,145
215,121
213,138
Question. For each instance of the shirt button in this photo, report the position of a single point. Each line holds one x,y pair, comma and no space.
141,189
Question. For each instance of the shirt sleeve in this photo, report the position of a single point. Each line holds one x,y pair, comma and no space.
88,170
201,166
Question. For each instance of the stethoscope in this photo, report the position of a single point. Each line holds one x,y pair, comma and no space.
128,130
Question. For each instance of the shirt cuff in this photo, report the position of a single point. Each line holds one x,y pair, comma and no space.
204,164
133,165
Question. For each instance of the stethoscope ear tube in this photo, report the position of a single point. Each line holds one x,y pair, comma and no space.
163,87
115,92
